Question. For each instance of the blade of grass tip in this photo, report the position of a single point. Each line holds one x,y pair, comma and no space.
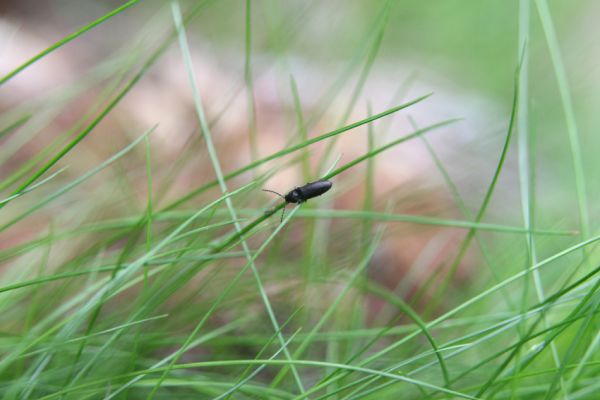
439,294
16,124
112,104
291,149
369,177
285,31
386,147
525,165
332,308
398,95
66,40
250,83
333,164
34,186
363,47
174,357
301,128
364,74
568,109
77,181
149,203
217,167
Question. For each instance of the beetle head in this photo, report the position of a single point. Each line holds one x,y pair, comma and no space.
294,196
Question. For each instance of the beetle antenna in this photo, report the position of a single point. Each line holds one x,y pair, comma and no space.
272,191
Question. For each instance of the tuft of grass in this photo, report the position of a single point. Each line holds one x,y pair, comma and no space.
157,273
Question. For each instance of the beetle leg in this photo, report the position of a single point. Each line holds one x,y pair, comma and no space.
282,214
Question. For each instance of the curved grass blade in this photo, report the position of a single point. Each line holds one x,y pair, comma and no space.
66,40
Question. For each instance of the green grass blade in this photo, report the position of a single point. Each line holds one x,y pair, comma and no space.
440,292
567,103
66,40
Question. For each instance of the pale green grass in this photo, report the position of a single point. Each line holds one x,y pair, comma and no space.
118,283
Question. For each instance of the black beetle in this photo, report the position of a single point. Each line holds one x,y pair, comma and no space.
303,193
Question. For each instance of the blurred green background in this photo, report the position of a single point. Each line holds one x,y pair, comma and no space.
289,72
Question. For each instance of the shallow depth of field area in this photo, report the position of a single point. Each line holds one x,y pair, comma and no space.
144,255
